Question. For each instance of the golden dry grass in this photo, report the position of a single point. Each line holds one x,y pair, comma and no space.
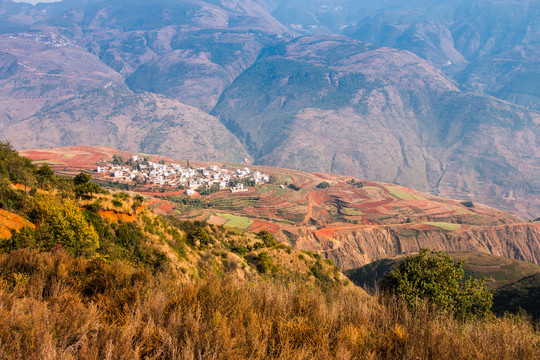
53,306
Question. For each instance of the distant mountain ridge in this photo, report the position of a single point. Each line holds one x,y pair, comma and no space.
291,85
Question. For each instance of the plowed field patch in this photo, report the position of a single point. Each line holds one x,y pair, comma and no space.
116,216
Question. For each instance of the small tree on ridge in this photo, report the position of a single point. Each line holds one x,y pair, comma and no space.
436,277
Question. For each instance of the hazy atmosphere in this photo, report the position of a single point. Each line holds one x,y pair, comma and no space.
265,179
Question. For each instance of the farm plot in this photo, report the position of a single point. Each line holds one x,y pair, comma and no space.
235,203
236,221
351,212
401,193
443,225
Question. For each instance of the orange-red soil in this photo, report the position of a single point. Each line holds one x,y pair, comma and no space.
10,221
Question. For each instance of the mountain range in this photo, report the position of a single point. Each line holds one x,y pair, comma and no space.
440,97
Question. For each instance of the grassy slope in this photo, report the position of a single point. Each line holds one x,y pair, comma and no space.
58,307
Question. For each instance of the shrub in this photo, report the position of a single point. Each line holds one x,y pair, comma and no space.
268,239
293,187
318,272
434,276
262,262
121,195
238,249
83,187
62,222
323,185
199,237
117,203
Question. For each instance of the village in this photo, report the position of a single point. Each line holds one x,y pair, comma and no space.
141,171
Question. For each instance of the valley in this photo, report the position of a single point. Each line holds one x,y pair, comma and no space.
351,221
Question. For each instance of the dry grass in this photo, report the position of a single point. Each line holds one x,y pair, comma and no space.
53,306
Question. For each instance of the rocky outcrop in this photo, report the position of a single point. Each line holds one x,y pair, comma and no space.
358,247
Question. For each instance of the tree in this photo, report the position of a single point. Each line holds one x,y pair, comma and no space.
118,160
45,175
436,277
62,222
82,178
323,185
268,239
293,187
83,187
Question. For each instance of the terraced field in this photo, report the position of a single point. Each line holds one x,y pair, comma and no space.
352,221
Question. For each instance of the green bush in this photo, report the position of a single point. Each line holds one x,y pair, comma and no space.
267,238
436,277
262,262
320,275
323,185
83,187
60,221
199,237
293,187
117,203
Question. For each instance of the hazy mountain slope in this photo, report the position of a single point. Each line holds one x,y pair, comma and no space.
200,67
381,112
333,104
53,92
487,46
163,40
142,15
135,122
39,69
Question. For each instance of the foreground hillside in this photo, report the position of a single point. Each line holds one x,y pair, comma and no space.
353,222
63,308
89,274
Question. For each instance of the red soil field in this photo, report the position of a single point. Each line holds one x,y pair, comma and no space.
259,225
374,200
73,157
10,221
166,207
162,194
116,216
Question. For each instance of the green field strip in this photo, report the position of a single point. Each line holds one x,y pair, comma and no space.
235,221
403,194
48,162
444,225
351,212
